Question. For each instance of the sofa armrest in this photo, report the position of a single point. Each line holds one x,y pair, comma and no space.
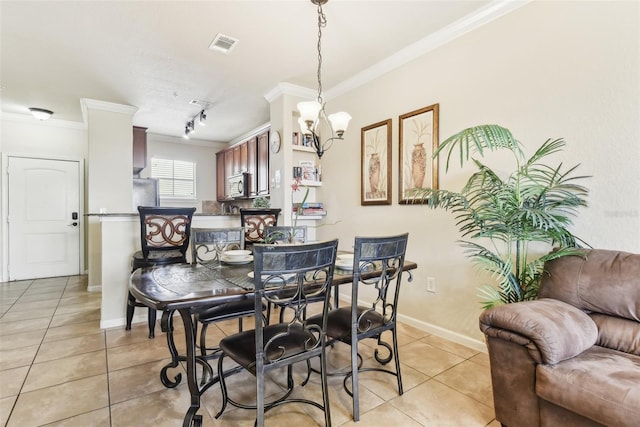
558,330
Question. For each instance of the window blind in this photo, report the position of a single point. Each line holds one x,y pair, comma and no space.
176,177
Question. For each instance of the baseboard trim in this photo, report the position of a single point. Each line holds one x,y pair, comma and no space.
435,329
444,333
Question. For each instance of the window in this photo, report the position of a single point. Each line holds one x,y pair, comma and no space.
177,178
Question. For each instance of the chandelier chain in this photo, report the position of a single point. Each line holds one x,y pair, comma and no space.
322,22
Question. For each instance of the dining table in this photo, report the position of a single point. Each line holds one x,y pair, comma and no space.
189,288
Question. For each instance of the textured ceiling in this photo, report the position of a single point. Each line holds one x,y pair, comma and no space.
154,55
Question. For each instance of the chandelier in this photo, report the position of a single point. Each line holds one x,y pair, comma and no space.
311,112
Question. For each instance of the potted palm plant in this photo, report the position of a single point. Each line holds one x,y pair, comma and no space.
507,215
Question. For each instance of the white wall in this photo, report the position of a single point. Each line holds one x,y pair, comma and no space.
204,156
25,135
546,70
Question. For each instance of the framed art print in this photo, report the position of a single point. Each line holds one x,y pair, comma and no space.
418,141
375,164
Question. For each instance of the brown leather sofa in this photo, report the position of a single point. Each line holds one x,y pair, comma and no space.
571,357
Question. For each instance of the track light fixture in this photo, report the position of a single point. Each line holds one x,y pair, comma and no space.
190,126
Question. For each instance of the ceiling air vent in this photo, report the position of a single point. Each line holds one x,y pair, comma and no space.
223,43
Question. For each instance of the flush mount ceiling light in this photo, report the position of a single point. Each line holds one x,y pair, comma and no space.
312,111
41,113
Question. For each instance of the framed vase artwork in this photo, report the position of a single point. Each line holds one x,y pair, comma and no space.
375,165
418,141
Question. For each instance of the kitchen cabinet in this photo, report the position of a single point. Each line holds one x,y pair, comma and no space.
139,149
262,173
250,156
221,179
252,164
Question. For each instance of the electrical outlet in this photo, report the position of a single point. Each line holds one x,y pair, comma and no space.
431,284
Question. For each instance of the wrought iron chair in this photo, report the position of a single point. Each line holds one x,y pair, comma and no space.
282,234
202,246
308,270
164,238
254,221
203,242
377,272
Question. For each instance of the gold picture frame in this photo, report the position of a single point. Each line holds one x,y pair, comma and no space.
418,132
375,164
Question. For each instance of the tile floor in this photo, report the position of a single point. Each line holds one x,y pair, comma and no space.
58,368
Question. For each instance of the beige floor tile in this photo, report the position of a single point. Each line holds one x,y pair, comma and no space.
139,380
481,359
25,339
450,346
71,331
70,368
60,402
139,332
383,416
75,308
434,404
470,379
98,418
16,316
16,357
21,326
10,294
79,317
138,353
11,381
41,294
79,298
427,359
163,408
69,347
33,306
386,385
6,405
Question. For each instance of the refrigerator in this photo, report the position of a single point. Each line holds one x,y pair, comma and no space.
145,192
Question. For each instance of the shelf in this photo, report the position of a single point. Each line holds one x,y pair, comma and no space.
303,148
308,183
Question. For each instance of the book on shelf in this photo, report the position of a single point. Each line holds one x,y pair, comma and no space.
295,138
310,208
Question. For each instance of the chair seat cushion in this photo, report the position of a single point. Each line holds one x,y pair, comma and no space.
601,384
339,322
241,347
229,310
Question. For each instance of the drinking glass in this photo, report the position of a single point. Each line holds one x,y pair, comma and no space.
219,244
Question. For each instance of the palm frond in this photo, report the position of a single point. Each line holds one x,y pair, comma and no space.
477,139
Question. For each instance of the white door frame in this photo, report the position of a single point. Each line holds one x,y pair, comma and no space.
4,259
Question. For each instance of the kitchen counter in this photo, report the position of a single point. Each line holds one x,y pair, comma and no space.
119,239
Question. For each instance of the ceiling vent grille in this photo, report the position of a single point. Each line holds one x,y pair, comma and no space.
222,43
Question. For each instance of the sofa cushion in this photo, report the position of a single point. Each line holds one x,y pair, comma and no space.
601,384
601,281
558,330
617,333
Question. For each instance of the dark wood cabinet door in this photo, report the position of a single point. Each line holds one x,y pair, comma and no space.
139,149
221,179
228,166
252,165
262,175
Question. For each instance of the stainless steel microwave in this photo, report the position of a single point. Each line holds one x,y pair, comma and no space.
238,185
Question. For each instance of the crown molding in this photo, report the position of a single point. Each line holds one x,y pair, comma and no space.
29,119
492,11
157,137
284,88
94,104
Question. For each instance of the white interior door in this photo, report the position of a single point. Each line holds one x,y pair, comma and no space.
44,218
